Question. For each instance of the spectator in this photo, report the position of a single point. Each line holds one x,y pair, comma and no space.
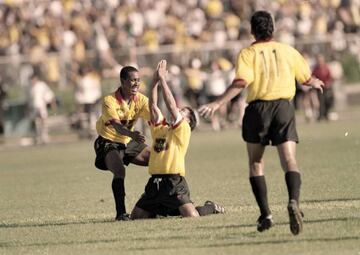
195,78
87,96
39,97
3,94
326,99
215,85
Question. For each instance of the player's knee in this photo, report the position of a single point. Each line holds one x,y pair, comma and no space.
290,165
144,156
192,214
256,168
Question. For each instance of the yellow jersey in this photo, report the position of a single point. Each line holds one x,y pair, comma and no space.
169,146
114,107
270,69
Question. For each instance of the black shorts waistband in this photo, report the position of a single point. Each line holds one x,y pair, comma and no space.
165,175
100,138
268,101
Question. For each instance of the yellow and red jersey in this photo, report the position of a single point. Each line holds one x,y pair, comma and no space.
169,147
270,69
114,107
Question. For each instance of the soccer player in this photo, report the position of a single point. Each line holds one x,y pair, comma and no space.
118,144
268,70
167,192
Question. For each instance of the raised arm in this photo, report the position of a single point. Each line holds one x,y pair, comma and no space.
168,96
155,112
234,89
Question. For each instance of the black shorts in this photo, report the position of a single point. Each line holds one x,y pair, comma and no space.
103,146
266,121
164,194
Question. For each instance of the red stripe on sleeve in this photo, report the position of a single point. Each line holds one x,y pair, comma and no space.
177,124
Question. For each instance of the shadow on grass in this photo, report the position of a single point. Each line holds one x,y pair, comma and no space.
284,223
176,237
54,223
207,245
101,221
330,200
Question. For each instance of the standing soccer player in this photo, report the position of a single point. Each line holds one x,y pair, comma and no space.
118,144
268,70
167,192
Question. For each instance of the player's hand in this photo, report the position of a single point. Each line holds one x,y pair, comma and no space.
208,110
138,137
156,75
161,69
318,84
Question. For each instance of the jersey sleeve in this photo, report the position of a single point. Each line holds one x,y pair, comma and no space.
244,69
301,67
182,132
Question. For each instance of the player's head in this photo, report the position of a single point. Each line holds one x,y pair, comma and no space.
262,25
35,76
190,116
130,80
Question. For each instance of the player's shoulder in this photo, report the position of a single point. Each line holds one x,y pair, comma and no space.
109,97
247,51
141,99
285,47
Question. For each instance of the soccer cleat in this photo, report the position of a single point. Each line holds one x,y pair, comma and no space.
295,217
123,217
264,222
217,208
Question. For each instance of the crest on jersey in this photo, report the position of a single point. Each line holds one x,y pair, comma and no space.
160,145
120,113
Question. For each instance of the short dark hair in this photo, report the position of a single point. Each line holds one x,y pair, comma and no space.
262,25
124,73
193,117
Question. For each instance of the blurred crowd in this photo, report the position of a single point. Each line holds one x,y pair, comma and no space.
82,42
99,29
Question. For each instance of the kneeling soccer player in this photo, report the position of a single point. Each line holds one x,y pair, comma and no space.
167,192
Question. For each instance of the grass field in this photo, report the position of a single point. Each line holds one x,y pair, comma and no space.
53,201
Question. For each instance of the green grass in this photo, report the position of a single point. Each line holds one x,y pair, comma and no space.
53,201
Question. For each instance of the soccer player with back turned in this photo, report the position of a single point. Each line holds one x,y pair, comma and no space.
268,69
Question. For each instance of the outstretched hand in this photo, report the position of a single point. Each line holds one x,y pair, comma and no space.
208,110
161,69
318,84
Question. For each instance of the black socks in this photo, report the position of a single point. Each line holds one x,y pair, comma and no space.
118,189
293,183
259,189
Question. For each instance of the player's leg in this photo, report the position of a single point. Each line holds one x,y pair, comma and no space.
188,210
114,162
139,213
287,154
142,159
258,184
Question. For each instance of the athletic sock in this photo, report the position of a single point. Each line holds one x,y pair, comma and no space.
258,185
118,189
205,209
293,183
